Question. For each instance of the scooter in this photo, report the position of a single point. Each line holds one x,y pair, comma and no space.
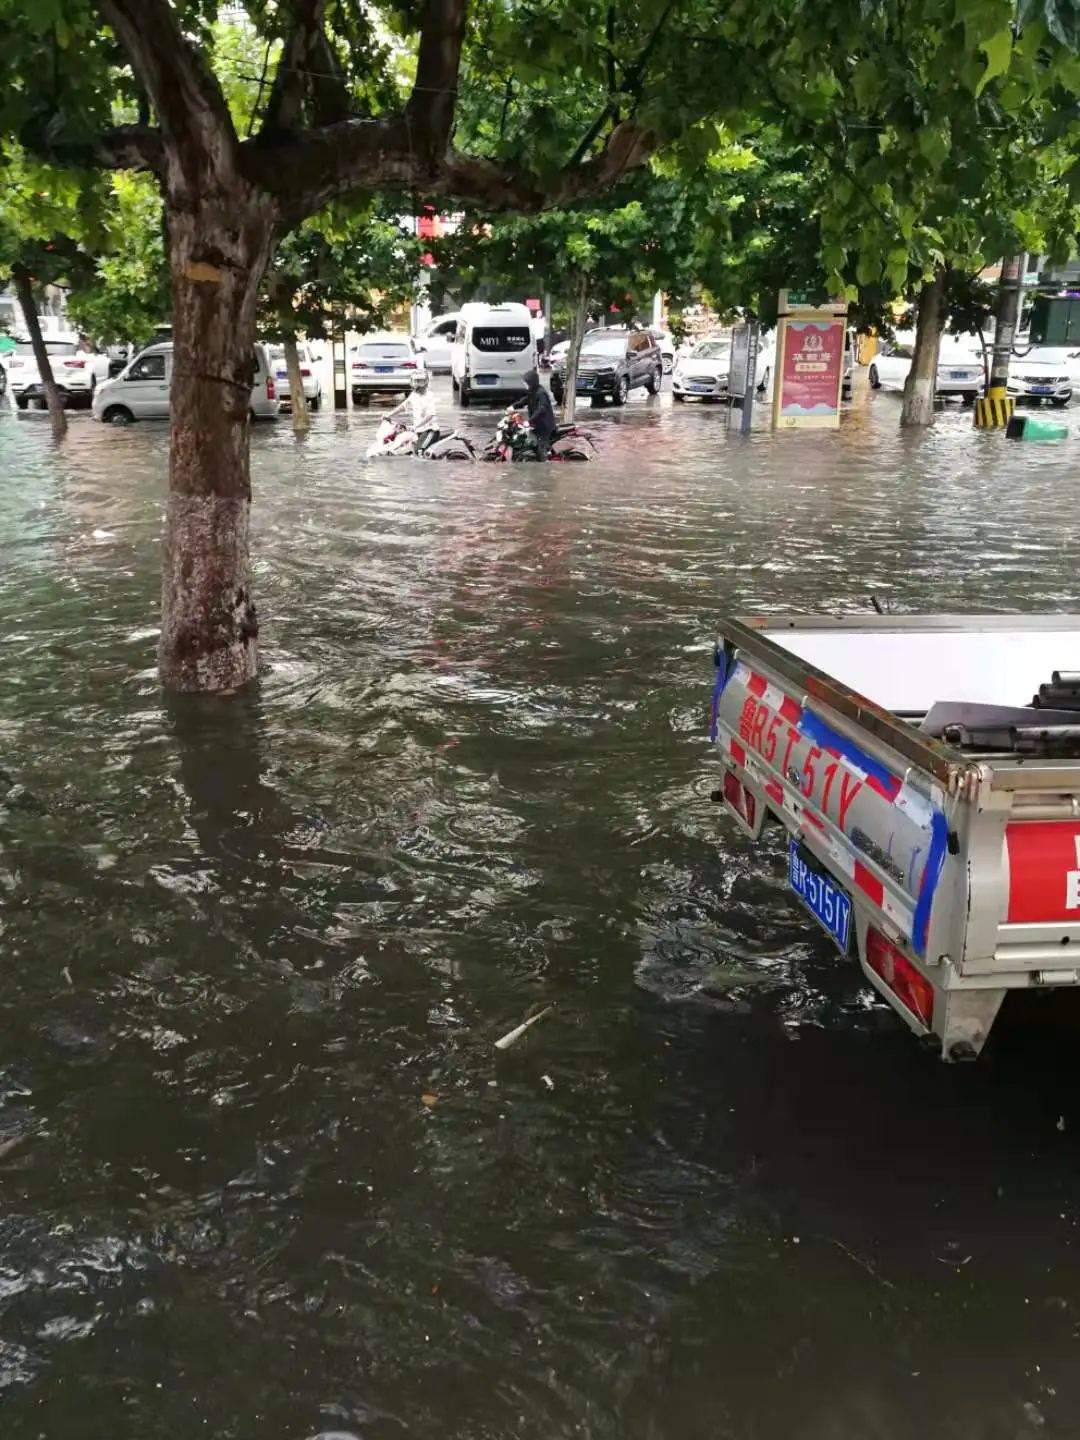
395,438
514,440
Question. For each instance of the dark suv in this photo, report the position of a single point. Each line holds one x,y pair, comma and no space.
612,363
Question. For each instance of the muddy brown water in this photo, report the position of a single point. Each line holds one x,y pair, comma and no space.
263,1172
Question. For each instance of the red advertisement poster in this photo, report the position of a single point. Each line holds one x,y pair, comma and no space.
812,369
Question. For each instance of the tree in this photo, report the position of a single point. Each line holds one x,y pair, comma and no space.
930,125
122,294
45,215
333,118
353,264
609,254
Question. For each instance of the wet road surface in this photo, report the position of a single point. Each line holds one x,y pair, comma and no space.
262,1170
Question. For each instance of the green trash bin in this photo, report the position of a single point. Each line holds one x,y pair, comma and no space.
1033,427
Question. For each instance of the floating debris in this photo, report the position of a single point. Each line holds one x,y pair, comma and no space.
513,1036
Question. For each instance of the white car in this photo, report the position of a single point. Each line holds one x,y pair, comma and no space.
960,370
434,344
1044,373
308,361
559,351
766,361
703,371
141,390
78,371
383,365
666,346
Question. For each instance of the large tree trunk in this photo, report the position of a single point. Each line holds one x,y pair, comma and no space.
219,248
25,292
921,384
301,417
573,355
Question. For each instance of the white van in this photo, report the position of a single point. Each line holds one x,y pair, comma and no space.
141,390
493,349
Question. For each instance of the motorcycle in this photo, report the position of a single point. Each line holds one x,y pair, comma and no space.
514,440
395,438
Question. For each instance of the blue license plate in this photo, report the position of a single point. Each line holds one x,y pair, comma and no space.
282,374
584,384
486,379
959,375
703,389
826,901
384,369
1042,389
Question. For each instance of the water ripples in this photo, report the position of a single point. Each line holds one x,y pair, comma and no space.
261,1166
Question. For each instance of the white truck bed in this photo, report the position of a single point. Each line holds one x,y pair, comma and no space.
933,813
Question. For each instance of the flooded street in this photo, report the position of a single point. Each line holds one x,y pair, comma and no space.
263,1172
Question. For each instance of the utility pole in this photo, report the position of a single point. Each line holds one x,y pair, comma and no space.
994,411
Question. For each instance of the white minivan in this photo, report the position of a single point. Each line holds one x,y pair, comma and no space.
141,390
493,350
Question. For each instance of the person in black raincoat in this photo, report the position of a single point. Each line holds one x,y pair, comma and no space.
537,402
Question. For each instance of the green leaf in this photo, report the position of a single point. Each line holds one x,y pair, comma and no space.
933,142
998,51
865,84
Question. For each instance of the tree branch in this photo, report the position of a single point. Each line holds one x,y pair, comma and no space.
190,106
631,84
126,147
306,173
482,182
430,111
284,108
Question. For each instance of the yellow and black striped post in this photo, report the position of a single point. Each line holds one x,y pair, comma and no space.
993,411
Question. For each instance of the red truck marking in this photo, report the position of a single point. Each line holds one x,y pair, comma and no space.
764,730
1044,872
869,884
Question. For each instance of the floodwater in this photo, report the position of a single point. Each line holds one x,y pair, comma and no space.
263,1172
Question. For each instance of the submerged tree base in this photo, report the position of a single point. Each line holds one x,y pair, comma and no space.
209,628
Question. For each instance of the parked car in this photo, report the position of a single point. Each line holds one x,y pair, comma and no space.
311,381
960,370
702,372
78,371
3,382
558,354
141,390
766,361
612,363
665,343
383,365
1045,373
434,344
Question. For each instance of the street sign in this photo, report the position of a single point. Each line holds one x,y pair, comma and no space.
809,373
796,301
742,372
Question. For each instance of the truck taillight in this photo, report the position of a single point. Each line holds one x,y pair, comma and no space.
739,798
271,388
913,990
